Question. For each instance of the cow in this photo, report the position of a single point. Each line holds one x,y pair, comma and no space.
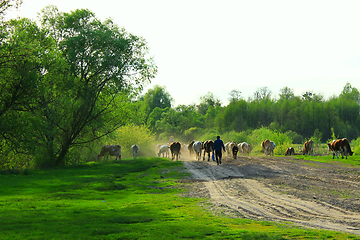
342,146
290,151
265,145
245,148
234,151
308,148
208,148
134,150
175,148
112,150
229,146
190,147
268,147
197,146
240,148
164,150
272,147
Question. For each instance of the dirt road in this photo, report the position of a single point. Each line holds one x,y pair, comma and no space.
280,189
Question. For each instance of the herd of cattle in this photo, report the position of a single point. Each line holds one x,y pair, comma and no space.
199,148
340,146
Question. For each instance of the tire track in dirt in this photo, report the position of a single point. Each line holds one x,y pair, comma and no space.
261,203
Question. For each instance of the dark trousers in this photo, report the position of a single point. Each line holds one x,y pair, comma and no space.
218,156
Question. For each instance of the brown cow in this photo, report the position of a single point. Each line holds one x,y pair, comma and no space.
342,146
175,148
113,150
290,151
308,147
245,148
268,147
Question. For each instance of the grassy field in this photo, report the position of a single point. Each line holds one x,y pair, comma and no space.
126,199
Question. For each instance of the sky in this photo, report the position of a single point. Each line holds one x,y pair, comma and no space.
202,46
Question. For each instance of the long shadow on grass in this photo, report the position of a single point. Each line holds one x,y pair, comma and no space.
92,176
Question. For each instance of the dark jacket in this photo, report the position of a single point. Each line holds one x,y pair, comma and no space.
218,145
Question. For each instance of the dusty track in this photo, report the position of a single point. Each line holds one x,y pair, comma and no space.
314,195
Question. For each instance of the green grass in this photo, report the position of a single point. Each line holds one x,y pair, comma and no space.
350,161
121,200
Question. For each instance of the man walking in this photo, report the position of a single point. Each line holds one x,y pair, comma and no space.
218,146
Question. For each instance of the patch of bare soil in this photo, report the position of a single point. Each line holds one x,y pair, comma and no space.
280,189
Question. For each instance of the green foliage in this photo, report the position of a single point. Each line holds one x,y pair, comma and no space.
131,134
281,140
207,101
237,137
5,5
316,138
193,134
296,138
156,97
355,145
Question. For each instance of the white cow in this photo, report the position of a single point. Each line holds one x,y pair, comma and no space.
240,148
272,147
229,147
164,150
135,150
197,146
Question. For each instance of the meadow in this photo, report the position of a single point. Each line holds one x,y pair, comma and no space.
127,199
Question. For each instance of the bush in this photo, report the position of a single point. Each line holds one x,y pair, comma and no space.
132,134
237,137
296,138
193,133
281,140
355,146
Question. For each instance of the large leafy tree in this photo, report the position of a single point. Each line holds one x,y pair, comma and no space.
82,80
22,63
85,95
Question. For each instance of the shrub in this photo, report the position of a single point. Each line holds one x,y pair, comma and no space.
281,140
355,146
132,134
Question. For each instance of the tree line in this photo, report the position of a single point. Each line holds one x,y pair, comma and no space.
300,117
71,82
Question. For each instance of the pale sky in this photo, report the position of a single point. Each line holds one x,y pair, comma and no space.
218,46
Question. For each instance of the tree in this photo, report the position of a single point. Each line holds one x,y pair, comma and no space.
99,65
207,101
157,97
69,82
8,4
22,64
262,93
351,93
235,95
286,93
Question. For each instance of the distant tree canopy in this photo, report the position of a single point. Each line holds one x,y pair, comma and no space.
301,116
156,97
